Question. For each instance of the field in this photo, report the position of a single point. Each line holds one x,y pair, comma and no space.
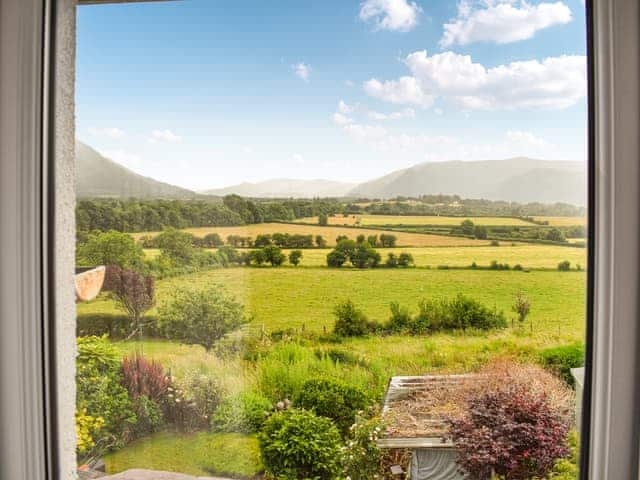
381,220
562,221
329,233
527,255
283,298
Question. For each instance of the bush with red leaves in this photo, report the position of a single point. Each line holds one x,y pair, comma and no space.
145,377
135,293
512,432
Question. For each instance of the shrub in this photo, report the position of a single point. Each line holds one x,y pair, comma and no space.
511,431
212,240
200,316
257,257
521,306
495,243
560,360
149,415
350,321
365,256
192,401
176,246
388,240
294,257
460,313
323,219
498,266
142,377
100,395
332,399
518,267
405,259
243,413
296,444
87,429
522,414
564,266
480,232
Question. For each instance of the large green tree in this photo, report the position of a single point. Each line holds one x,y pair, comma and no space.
111,248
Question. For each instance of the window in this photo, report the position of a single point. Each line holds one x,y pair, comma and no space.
337,362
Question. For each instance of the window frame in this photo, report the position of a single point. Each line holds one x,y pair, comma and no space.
36,220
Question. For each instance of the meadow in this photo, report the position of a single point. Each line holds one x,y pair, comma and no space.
329,233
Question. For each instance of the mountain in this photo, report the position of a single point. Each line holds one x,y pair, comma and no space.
97,176
517,179
285,188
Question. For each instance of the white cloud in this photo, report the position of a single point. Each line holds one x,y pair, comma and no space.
404,91
247,149
405,113
110,132
302,70
344,108
553,83
341,120
350,83
366,133
394,15
501,21
164,136
297,158
438,111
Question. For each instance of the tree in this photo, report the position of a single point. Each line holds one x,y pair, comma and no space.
294,257
134,293
467,227
405,259
360,239
364,256
373,240
262,240
323,219
177,246
387,240
274,255
480,232
340,238
257,257
336,258
392,260
555,235
200,316
350,321
212,240
320,241
564,266
111,248
522,306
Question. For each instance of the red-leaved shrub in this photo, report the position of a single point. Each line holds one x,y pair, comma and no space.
145,377
515,428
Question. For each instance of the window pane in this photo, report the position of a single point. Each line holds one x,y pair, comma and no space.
315,239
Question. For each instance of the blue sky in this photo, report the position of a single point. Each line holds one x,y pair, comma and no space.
207,93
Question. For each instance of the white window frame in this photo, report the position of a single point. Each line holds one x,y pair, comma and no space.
37,311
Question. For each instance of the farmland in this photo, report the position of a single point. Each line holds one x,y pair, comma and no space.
291,310
382,220
329,233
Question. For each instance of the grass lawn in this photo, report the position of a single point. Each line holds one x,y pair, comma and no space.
200,454
293,297
329,233
366,219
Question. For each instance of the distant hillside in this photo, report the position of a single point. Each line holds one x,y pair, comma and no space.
285,188
97,176
517,179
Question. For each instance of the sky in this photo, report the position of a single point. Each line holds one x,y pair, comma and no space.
210,93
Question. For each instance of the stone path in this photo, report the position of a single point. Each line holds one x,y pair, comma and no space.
139,474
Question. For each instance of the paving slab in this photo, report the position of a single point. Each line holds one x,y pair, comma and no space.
140,474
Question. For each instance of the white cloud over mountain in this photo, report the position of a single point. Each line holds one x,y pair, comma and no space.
553,83
501,21
393,15
164,136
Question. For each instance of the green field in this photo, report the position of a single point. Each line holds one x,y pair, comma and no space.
369,220
282,298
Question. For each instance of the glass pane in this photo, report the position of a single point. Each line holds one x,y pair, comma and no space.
318,239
